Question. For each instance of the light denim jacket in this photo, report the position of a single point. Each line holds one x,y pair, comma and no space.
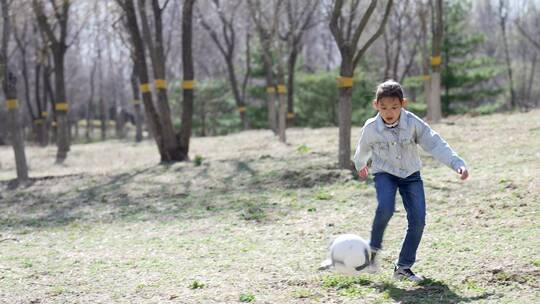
393,150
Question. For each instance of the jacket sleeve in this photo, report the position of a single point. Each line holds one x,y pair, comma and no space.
363,150
435,145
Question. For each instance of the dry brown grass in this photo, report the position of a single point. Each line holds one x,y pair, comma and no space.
111,225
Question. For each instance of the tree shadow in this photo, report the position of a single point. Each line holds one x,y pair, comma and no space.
427,291
14,184
111,197
63,208
242,166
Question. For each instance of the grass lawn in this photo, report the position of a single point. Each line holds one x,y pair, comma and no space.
251,219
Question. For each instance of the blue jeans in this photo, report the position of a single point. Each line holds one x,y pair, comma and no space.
411,190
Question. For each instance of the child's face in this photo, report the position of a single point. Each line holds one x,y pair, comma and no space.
389,108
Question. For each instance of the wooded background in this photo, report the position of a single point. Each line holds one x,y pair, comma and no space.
81,71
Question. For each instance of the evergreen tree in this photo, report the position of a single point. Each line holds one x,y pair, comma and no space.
465,73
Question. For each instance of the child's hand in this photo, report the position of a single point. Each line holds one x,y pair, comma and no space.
363,173
463,172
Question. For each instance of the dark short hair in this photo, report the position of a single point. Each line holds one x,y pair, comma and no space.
389,88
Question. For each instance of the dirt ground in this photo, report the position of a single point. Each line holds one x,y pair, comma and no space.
252,221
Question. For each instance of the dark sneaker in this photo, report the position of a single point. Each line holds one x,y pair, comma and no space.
373,266
401,273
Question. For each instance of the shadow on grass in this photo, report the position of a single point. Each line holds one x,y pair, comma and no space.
39,211
427,291
14,184
240,167
244,167
110,198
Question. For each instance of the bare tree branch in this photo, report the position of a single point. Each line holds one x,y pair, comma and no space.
362,25
375,35
210,31
335,27
165,5
524,33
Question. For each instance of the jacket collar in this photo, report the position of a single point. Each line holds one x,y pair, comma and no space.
402,121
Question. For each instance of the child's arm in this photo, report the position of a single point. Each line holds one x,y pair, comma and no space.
435,145
362,154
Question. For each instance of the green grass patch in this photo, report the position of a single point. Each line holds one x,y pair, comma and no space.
196,284
348,286
302,149
253,212
323,195
247,298
342,282
26,263
304,293
198,160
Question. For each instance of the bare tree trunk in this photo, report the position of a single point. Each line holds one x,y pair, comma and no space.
398,39
503,14
118,113
40,69
103,117
422,14
434,107
226,44
347,39
16,134
76,126
42,125
103,113
387,55
393,40
154,123
10,91
291,65
27,87
114,98
345,116
22,43
157,56
531,81
266,31
411,61
299,17
536,44
241,106
189,76
48,99
90,107
136,105
270,90
167,152
282,91
58,47
61,110
523,32
247,74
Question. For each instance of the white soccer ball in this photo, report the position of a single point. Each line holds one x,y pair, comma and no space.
349,254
